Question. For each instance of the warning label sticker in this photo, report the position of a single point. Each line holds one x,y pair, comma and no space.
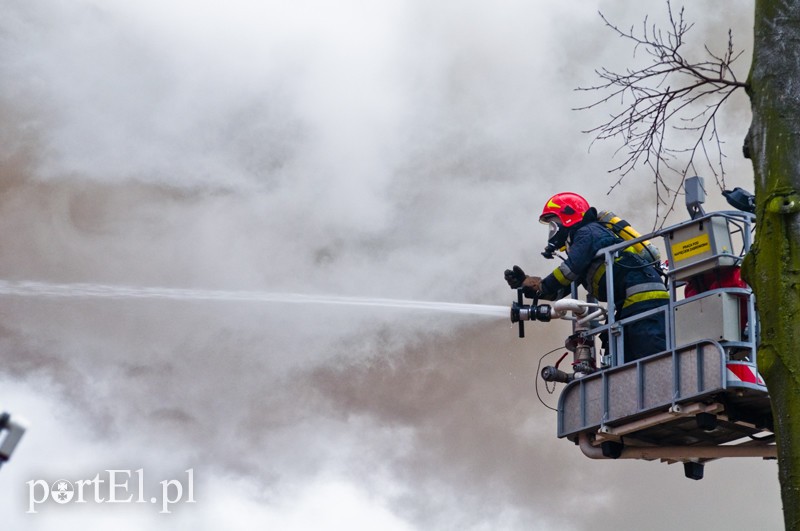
688,248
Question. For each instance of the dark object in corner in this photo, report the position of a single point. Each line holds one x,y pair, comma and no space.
740,199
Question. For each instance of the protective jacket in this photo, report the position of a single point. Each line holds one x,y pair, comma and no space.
637,283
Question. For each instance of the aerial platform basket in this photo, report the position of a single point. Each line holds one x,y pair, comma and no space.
702,397
691,403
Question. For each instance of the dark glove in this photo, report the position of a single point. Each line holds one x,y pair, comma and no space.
515,277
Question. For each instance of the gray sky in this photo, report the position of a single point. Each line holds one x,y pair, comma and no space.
393,149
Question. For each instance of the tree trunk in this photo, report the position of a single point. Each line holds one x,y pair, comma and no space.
773,266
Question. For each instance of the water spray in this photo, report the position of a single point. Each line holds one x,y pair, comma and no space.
107,291
11,430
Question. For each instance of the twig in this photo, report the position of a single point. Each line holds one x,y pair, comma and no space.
670,94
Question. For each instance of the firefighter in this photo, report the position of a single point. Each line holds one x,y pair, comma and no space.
638,285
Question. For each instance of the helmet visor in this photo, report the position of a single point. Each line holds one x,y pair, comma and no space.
546,219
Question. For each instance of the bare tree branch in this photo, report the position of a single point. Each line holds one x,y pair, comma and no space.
669,94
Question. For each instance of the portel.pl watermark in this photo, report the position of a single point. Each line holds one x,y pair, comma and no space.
114,487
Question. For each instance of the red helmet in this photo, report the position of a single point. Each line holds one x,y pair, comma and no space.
569,208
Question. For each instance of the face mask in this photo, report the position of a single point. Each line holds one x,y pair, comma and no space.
556,239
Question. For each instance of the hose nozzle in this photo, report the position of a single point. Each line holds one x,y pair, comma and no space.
529,312
552,374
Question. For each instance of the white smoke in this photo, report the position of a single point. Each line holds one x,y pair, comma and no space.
361,149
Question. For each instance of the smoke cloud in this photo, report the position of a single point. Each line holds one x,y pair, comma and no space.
374,149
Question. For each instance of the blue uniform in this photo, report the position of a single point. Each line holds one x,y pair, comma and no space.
637,284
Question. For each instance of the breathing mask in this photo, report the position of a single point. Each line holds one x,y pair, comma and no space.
556,239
